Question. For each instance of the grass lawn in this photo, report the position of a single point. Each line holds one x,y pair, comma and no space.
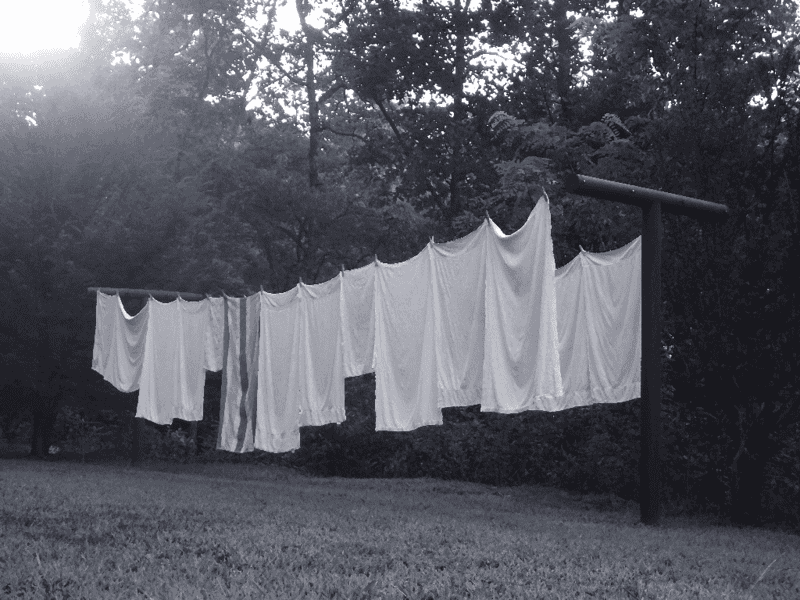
71,530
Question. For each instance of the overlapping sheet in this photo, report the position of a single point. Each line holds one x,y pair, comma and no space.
521,365
459,278
358,320
405,359
173,373
600,327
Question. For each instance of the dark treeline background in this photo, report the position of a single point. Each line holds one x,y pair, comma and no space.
198,146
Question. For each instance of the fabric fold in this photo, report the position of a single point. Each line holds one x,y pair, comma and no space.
521,362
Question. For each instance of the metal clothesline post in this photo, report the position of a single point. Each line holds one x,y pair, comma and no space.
652,202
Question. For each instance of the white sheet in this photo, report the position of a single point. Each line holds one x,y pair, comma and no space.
278,404
321,377
521,362
358,320
173,373
600,326
459,269
405,359
119,339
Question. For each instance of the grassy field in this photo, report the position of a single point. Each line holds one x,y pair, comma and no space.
71,530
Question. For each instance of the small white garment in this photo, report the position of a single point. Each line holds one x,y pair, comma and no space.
405,358
278,397
119,340
321,377
521,363
358,320
173,373
600,326
237,410
459,269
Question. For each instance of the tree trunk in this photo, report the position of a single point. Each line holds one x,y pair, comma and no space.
315,127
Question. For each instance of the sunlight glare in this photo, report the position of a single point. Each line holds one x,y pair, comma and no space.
35,25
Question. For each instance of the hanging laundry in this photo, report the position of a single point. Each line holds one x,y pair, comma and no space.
521,364
321,377
600,326
237,410
358,320
405,358
173,373
119,340
215,333
278,398
459,269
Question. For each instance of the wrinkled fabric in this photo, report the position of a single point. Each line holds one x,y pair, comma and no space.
358,320
405,358
237,410
600,326
521,362
321,377
173,373
119,340
459,269
278,398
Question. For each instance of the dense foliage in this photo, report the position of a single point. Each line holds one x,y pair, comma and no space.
208,146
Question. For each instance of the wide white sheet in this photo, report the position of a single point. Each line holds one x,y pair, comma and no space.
405,358
600,326
173,373
321,377
278,403
459,269
521,363
119,339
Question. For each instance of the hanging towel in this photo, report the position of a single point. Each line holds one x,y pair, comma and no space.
215,333
405,358
237,410
459,269
278,398
521,364
600,326
358,320
119,339
173,373
321,377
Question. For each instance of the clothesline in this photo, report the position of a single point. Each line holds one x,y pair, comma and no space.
135,293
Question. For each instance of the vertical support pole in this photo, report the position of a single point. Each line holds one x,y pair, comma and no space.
649,467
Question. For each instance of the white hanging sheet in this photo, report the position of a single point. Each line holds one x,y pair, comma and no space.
600,326
321,377
459,269
215,333
119,339
405,359
521,363
173,373
278,404
237,410
358,320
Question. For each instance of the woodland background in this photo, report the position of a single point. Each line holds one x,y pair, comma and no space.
195,145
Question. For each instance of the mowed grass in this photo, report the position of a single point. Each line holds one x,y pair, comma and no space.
70,530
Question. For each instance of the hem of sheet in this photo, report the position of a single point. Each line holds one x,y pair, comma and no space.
459,398
319,418
279,443
536,403
603,395
411,426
